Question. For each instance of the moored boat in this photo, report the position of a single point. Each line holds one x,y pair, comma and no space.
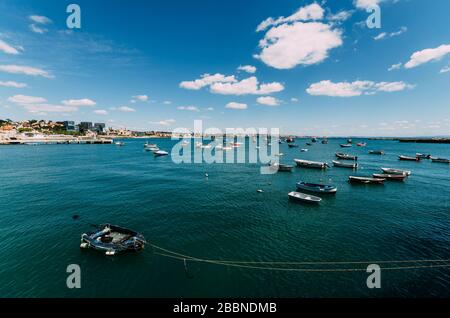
324,141
160,153
365,180
147,145
406,158
309,144
282,167
423,156
395,177
376,152
345,156
361,144
292,146
346,145
302,197
396,171
311,164
119,143
318,188
440,160
152,149
303,150
345,165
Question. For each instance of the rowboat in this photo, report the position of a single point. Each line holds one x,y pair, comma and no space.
395,177
292,145
406,158
302,197
282,167
311,164
345,156
113,239
160,153
376,152
365,180
396,171
440,160
423,156
361,144
345,145
319,188
345,165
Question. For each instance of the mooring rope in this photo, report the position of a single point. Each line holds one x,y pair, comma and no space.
260,265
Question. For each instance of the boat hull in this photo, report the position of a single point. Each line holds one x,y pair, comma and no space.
316,188
302,197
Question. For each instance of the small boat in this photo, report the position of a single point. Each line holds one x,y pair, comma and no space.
346,145
311,164
376,152
423,156
324,141
440,160
113,239
303,150
152,149
349,141
345,165
345,156
309,144
160,153
396,171
395,177
365,180
290,139
361,144
119,143
282,167
314,139
302,197
292,146
319,188
406,158
147,145
229,148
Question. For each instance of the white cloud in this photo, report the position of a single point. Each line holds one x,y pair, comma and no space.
34,28
246,86
206,80
8,49
427,55
309,12
166,122
142,98
268,101
234,105
385,35
27,70
365,4
247,68
445,70
79,102
340,16
12,84
167,102
289,45
395,67
189,108
210,109
126,109
294,99
100,112
356,88
40,19
25,99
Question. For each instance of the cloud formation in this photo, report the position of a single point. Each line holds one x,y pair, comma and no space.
356,88
384,35
427,55
26,70
126,109
8,49
234,105
247,68
268,101
189,108
13,84
79,102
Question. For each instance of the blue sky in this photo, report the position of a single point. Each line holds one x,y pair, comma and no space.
314,68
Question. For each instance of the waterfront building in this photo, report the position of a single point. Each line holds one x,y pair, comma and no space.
69,125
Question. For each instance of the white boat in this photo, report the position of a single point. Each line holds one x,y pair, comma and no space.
160,153
440,160
303,150
119,143
345,165
282,167
311,164
396,171
302,197
152,149
147,145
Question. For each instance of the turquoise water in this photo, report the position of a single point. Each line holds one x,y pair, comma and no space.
219,217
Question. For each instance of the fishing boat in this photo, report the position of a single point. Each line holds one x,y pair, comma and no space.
302,197
113,239
423,156
219,147
396,171
361,144
376,152
311,164
292,146
406,158
365,180
282,167
345,145
394,177
440,160
318,188
303,150
229,148
160,153
345,156
345,165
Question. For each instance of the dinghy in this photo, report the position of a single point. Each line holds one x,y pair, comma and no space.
113,239
365,180
440,160
376,152
396,171
345,165
394,177
345,156
406,158
311,164
318,188
302,197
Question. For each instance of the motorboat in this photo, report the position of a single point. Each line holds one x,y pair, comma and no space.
119,143
309,144
406,158
303,150
365,180
346,145
345,165
423,156
394,177
319,188
290,139
396,171
361,144
440,160
376,152
324,141
113,239
160,153
345,156
311,164
152,149
147,145
314,139
302,197
349,141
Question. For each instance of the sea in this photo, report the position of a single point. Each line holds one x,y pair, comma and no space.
234,240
